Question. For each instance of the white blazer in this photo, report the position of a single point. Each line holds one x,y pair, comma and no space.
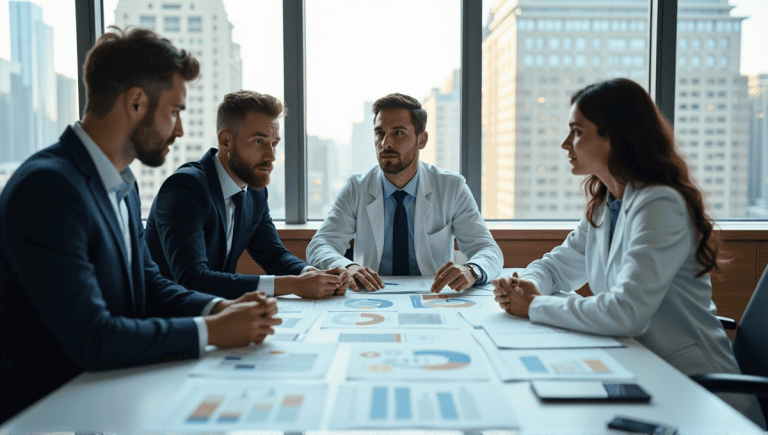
444,208
644,286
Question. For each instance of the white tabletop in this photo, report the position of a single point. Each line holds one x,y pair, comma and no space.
125,400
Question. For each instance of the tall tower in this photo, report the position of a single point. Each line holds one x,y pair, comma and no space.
32,48
362,145
202,28
758,146
443,107
535,57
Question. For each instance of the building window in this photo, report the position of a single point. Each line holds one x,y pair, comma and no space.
171,24
195,24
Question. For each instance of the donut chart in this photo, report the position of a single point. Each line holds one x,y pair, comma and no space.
358,319
367,304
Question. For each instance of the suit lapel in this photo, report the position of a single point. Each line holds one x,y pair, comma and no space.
376,214
602,234
422,215
243,220
138,298
83,161
214,187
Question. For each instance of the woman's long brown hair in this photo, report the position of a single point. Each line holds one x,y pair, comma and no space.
642,153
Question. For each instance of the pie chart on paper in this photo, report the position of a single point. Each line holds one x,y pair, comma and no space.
367,304
358,319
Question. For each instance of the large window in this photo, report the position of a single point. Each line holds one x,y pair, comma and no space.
38,78
221,36
526,96
406,46
534,56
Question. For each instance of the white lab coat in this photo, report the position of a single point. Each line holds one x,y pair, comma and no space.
644,287
445,209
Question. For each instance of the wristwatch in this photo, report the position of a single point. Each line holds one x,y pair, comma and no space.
475,270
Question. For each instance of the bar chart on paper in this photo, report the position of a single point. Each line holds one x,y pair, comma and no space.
456,406
418,363
582,364
268,360
219,405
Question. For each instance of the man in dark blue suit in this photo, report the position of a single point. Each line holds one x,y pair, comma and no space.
78,288
210,211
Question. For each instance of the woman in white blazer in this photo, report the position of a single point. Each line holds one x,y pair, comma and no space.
644,245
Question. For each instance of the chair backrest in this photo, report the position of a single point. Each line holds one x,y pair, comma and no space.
750,344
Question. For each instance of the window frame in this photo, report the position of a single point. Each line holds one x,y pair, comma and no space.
662,49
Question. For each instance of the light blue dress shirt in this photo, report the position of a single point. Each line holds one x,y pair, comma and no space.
385,267
117,185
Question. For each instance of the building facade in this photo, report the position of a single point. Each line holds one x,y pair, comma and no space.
203,29
537,54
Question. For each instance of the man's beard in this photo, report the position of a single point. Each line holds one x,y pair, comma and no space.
246,173
147,143
389,167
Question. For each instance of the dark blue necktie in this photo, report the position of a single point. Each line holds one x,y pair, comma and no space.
400,252
237,200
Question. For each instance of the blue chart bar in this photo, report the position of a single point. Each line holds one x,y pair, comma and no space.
533,364
403,400
447,408
379,403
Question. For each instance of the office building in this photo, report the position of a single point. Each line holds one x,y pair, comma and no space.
66,102
35,94
323,175
203,29
362,145
758,149
10,99
535,56
443,107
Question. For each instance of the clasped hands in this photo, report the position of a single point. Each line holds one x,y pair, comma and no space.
515,295
455,276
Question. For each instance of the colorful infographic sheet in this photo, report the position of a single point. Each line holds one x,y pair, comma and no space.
363,301
210,405
294,303
386,319
428,405
510,332
269,360
417,363
451,301
558,364
415,337
297,322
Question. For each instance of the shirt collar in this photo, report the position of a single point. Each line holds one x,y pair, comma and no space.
118,182
228,185
411,188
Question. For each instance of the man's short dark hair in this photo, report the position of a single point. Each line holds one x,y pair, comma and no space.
236,105
121,60
401,101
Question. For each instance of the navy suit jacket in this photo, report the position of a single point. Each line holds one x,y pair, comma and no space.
68,299
187,233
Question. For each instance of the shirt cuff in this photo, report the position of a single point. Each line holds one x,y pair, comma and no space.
483,277
209,306
307,269
202,333
267,285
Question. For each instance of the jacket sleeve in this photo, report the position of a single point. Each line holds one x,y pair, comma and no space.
49,226
564,268
472,235
331,241
268,250
181,209
660,240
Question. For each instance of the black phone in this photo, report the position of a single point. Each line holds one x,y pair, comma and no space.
630,425
589,391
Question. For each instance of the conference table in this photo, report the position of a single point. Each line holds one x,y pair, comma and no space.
134,400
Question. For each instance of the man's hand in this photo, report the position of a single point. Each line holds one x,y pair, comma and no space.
248,319
453,275
364,278
515,295
313,284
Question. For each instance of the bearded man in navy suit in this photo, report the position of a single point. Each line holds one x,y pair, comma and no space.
210,211
78,288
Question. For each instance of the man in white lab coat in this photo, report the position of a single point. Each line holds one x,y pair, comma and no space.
403,215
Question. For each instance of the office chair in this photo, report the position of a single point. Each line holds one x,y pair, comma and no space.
750,346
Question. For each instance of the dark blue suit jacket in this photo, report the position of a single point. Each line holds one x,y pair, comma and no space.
187,233
68,300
